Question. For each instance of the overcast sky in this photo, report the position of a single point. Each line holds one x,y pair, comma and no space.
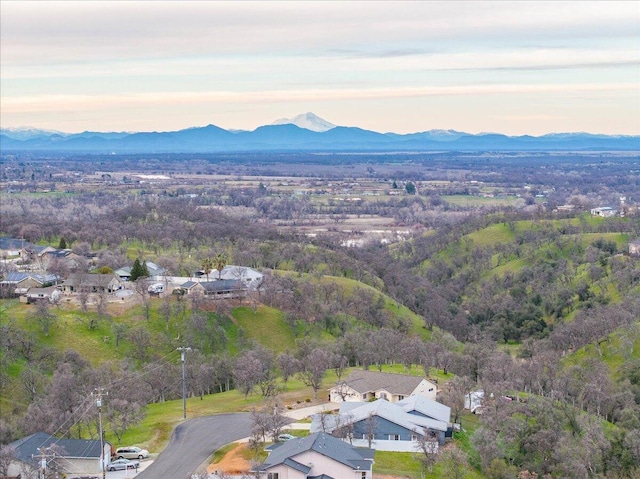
510,67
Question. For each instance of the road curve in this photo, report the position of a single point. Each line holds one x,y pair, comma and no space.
193,441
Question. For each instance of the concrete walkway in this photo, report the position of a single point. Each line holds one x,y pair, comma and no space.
305,412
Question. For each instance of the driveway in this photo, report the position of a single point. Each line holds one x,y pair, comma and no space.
193,442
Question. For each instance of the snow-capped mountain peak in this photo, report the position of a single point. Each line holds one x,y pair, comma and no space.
27,132
309,121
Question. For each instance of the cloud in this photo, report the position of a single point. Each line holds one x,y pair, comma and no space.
72,102
59,32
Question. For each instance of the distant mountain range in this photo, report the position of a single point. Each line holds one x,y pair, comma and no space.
306,132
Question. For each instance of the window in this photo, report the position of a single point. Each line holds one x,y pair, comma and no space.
430,389
273,475
400,397
363,475
414,437
394,437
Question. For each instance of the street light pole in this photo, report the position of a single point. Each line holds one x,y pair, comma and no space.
183,352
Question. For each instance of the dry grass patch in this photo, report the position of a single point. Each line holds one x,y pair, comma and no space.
233,462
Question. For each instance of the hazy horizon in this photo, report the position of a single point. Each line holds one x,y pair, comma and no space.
513,68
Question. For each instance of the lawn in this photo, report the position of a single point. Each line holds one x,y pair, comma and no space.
265,325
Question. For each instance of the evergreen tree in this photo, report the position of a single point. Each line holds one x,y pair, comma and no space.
410,188
63,244
138,270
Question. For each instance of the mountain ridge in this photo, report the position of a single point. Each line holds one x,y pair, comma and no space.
315,134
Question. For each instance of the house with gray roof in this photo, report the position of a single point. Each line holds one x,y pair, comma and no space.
224,288
11,246
367,385
72,456
19,282
155,270
317,456
388,426
249,276
91,283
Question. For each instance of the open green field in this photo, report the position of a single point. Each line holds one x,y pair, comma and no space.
265,325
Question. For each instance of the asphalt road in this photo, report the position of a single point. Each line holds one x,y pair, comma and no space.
193,442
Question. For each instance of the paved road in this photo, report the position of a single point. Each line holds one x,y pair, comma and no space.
193,442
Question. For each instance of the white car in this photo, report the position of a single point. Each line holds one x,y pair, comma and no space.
122,464
285,437
131,452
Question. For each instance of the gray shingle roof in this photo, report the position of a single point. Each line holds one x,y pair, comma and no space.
325,444
296,465
369,381
223,285
12,243
74,448
393,412
15,277
428,407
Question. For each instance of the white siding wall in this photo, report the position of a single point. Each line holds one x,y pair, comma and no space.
426,389
396,446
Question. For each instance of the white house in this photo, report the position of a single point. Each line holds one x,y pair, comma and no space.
367,385
604,211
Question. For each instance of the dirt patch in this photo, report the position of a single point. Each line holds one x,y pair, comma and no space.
232,463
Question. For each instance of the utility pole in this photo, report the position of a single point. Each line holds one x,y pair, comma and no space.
183,354
99,392
43,456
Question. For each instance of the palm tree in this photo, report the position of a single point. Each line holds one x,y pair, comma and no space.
207,266
219,262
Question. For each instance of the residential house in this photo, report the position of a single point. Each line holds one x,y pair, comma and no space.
634,247
250,277
316,456
51,294
73,456
192,287
91,283
155,270
604,211
10,246
369,385
389,426
32,252
72,260
18,282
224,288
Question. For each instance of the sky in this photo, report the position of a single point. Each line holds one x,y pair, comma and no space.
509,67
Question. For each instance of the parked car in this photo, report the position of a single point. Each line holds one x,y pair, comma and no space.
285,437
122,464
131,452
